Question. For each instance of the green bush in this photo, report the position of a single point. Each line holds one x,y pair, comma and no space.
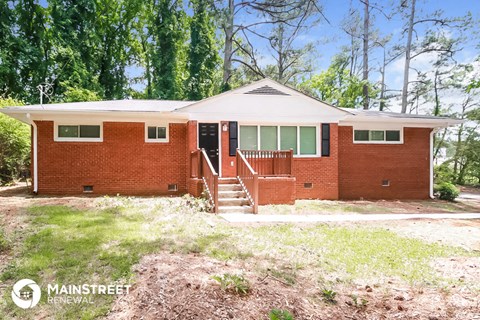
277,314
446,191
233,283
443,173
14,145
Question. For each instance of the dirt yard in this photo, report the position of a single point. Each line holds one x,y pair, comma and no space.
185,290
169,285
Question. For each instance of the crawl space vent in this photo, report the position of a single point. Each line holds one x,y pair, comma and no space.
172,187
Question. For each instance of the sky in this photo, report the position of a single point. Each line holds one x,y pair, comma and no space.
329,37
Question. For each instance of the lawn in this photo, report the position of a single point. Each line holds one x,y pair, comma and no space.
102,243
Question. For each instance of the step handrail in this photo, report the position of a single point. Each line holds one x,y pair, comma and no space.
248,179
209,177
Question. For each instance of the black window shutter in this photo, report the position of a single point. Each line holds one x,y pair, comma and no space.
325,139
233,137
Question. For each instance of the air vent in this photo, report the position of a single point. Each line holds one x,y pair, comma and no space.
87,189
385,183
308,185
267,90
172,187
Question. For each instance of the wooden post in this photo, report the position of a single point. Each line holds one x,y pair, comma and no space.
255,193
215,192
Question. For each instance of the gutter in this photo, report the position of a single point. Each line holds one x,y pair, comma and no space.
35,158
432,135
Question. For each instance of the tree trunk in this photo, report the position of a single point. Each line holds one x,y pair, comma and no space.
227,60
382,84
406,70
281,67
366,22
436,110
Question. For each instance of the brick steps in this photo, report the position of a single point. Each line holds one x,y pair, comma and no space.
231,197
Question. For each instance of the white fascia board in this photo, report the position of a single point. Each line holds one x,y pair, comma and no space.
405,122
264,119
107,116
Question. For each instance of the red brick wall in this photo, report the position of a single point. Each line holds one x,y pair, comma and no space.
322,172
362,167
227,169
123,163
276,190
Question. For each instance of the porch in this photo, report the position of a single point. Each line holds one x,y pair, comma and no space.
261,177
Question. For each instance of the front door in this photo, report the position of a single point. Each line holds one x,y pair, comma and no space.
208,140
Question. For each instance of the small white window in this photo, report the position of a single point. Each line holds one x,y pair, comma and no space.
378,136
78,132
156,133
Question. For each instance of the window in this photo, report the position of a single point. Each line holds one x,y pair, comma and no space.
249,137
78,132
308,140
302,139
156,133
268,138
377,136
288,138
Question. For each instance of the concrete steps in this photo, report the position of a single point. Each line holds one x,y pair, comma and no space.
231,197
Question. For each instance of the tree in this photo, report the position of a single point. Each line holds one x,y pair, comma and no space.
167,31
429,42
9,83
14,144
268,12
336,85
203,56
366,23
33,48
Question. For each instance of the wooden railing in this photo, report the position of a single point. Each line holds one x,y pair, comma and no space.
201,167
270,162
248,178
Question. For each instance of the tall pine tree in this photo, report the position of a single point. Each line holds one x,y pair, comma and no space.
203,54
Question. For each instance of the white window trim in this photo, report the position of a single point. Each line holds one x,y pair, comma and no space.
380,128
76,123
318,136
157,124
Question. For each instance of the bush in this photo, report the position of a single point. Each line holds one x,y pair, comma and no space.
233,283
443,173
277,314
446,191
14,145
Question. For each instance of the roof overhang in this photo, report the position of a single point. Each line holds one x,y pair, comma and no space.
405,122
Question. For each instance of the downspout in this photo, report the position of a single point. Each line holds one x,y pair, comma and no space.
35,158
432,135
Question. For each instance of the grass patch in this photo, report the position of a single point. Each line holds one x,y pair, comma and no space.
65,245
323,207
4,242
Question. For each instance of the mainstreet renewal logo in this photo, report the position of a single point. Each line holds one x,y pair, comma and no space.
26,298
26,293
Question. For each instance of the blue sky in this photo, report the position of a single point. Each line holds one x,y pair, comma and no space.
329,37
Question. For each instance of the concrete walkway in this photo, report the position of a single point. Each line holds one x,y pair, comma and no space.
247,218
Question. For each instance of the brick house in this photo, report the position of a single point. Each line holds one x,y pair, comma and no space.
264,143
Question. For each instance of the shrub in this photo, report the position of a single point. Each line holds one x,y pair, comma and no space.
443,173
14,145
233,283
447,191
277,314
329,296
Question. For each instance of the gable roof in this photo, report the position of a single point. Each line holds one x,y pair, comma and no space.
263,101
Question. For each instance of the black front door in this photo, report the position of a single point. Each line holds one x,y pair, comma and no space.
208,140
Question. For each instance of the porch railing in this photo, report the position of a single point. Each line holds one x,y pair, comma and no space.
201,167
248,178
270,162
